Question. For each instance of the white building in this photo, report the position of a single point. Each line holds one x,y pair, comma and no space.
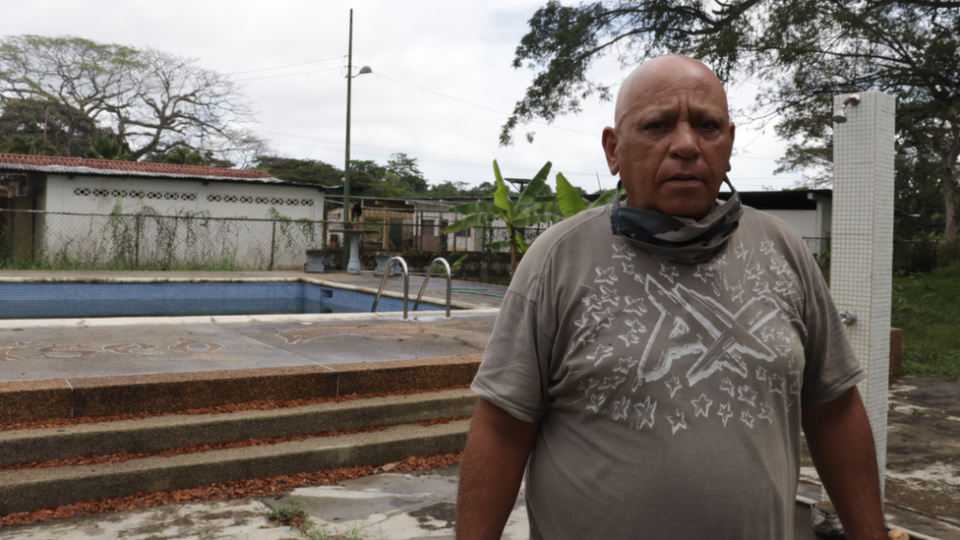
68,188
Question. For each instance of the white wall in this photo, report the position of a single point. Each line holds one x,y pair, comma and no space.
97,195
803,221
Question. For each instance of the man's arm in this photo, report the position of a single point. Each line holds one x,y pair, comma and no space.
841,444
491,470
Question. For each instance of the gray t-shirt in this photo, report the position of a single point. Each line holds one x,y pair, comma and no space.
668,394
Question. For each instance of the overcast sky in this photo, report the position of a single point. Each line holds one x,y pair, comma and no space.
441,87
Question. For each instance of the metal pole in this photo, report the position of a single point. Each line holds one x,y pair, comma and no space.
136,243
273,243
346,161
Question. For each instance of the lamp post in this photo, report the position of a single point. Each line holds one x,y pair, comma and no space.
346,164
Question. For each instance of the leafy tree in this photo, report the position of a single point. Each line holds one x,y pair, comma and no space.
447,189
407,172
301,170
177,156
152,101
68,130
802,52
106,148
28,144
516,214
486,189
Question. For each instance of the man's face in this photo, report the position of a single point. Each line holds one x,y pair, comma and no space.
673,138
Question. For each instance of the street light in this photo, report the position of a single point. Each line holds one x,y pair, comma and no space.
346,165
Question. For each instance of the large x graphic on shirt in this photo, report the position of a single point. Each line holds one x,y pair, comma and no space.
723,340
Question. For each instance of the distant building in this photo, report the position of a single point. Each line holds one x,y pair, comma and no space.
97,186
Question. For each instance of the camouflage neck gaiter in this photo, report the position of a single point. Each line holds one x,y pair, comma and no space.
678,239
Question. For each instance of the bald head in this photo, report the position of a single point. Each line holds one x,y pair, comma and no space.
661,73
672,140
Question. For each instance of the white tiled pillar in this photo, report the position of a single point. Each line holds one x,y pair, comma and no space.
862,242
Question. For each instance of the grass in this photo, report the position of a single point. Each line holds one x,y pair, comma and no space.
927,308
292,515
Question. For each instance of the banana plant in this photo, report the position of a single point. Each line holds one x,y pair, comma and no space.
524,211
571,203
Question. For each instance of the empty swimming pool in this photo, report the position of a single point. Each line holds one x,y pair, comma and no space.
74,299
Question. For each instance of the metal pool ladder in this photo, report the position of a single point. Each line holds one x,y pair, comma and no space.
406,283
423,287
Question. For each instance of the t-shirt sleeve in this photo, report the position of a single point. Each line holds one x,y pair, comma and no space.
513,373
831,366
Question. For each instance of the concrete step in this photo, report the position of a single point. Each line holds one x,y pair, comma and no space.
176,431
30,489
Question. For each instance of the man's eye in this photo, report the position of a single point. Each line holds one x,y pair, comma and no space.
656,126
709,126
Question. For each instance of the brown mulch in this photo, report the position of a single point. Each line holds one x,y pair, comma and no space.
263,405
238,489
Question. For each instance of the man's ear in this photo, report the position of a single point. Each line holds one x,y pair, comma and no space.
610,149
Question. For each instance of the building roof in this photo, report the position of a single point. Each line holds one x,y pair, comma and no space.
781,200
109,167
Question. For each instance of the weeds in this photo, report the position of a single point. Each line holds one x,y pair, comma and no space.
292,515
927,308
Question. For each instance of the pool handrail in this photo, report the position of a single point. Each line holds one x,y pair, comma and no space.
427,278
406,284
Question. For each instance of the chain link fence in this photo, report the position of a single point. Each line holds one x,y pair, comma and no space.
195,241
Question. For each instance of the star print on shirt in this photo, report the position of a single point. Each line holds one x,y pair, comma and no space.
725,413
762,287
785,288
606,275
702,406
596,401
611,383
766,247
780,266
776,384
669,272
747,395
736,293
747,418
761,374
766,413
582,322
593,302
587,385
623,251
703,272
741,252
728,387
621,408
677,421
632,337
634,305
604,319
722,260
599,354
753,273
609,296
645,410
674,384
624,365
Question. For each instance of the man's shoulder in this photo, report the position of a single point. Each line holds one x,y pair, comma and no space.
567,238
586,222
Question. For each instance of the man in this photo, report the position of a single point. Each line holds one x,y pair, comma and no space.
653,361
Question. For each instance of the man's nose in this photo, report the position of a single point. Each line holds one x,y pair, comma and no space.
685,142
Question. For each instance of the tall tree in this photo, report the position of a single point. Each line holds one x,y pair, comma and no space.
802,52
151,100
300,170
407,171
